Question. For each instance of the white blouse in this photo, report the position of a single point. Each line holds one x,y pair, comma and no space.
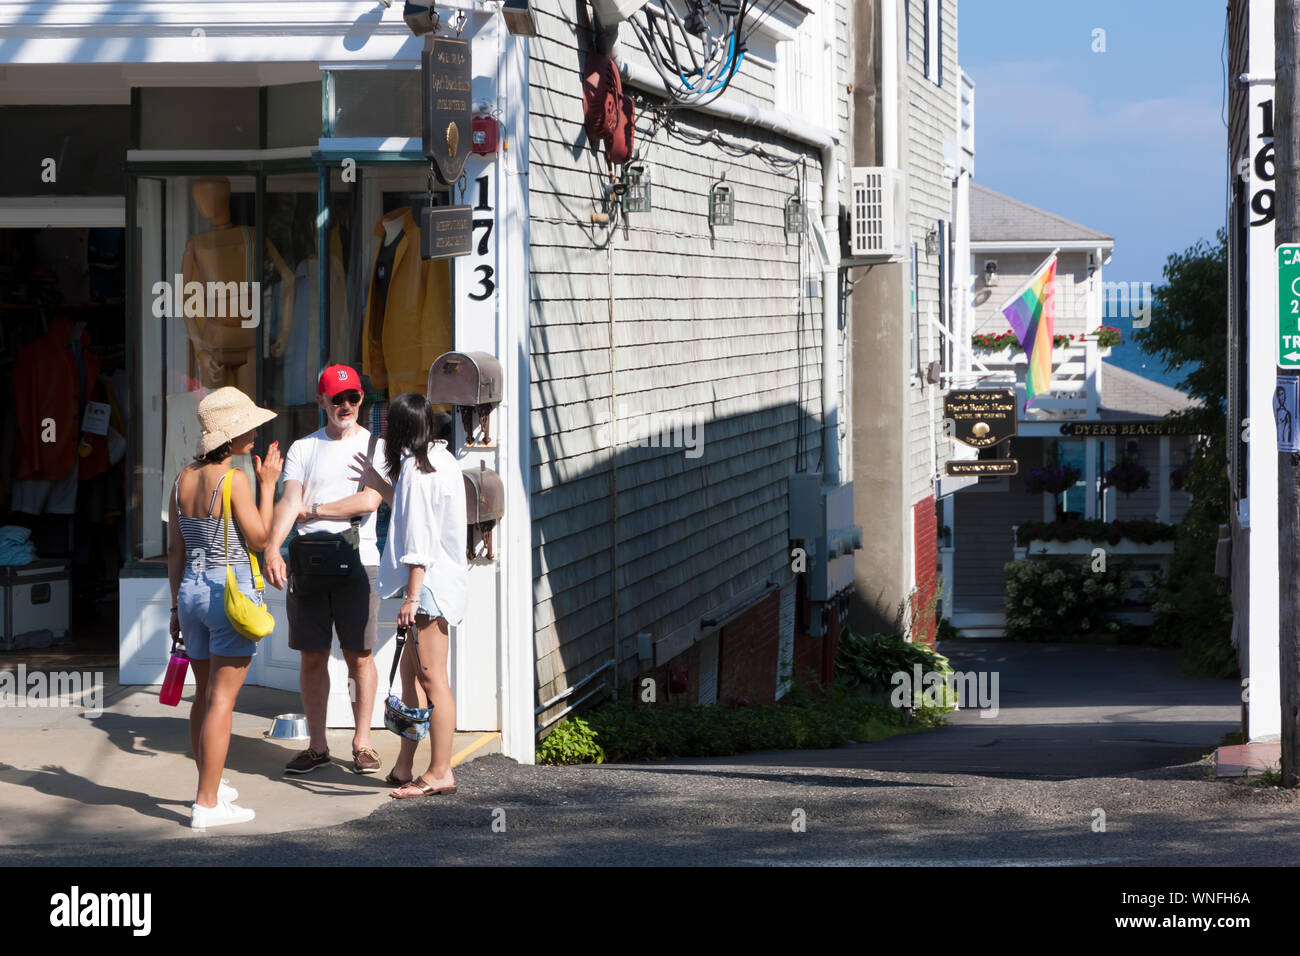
428,529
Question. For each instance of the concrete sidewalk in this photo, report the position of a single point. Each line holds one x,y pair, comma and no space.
67,776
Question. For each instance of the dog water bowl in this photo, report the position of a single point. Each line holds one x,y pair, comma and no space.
289,727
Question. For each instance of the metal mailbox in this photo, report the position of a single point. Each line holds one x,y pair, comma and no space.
471,381
485,503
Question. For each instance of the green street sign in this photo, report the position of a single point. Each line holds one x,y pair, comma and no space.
1288,306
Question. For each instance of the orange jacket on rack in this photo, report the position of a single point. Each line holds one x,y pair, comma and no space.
416,325
46,390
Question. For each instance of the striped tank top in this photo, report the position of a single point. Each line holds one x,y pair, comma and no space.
205,541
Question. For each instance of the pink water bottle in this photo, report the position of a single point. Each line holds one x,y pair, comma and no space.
174,682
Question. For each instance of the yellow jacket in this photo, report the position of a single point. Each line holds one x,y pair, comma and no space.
416,326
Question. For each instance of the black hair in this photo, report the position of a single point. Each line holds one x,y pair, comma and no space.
216,456
410,428
442,426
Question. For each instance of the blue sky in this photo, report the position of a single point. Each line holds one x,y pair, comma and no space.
1129,142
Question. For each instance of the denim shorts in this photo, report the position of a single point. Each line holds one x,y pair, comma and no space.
428,605
201,607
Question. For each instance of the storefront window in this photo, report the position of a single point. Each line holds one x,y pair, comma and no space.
199,117
293,114
398,318
374,103
201,310
63,150
228,285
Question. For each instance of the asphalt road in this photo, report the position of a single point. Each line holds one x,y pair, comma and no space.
1075,771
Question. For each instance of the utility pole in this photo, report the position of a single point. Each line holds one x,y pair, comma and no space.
1286,145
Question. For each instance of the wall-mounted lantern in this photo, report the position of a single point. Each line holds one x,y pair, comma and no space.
932,243
722,205
519,18
793,215
636,188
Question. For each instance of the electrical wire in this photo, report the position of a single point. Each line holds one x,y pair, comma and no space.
692,78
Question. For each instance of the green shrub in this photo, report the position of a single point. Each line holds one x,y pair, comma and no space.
572,741
1054,599
631,731
871,660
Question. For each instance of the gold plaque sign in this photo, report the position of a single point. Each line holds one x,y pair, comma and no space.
980,417
446,81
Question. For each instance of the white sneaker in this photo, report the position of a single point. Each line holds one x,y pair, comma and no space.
219,816
226,793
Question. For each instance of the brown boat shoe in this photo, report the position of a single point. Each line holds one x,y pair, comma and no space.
365,760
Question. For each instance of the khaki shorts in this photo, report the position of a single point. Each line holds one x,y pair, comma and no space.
351,608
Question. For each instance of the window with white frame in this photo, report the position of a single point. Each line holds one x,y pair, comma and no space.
804,68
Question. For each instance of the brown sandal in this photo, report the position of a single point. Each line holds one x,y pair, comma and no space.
426,789
392,781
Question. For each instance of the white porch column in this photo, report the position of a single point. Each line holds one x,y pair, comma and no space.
1092,371
1162,514
1090,476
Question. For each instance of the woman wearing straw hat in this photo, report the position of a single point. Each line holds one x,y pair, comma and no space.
196,563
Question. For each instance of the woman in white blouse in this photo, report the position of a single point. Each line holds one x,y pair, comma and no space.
424,558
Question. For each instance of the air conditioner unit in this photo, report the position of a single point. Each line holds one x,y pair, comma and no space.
878,214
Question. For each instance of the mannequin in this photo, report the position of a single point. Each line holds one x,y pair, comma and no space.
223,348
408,309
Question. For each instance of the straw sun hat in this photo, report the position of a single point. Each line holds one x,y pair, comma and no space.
226,414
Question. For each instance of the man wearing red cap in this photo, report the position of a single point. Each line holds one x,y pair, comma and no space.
327,503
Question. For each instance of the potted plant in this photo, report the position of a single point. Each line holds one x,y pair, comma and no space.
1128,476
1052,479
1107,336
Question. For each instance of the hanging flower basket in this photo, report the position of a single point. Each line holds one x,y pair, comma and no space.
1128,476
1177,477
1052,479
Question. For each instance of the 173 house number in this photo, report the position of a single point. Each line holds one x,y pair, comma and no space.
486,286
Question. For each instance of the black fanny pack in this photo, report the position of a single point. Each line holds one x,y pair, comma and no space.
321,560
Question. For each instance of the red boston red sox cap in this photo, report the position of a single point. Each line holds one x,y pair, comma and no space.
338,378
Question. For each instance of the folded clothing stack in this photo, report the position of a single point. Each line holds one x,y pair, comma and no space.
15,548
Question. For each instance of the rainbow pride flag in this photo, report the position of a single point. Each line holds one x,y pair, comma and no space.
1032,315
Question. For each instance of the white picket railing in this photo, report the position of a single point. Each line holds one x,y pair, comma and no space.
1076,378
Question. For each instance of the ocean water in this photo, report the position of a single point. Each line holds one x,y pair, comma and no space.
1132,359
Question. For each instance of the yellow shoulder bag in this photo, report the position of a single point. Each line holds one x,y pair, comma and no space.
250,619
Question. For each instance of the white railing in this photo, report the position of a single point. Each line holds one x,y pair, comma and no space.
1075,383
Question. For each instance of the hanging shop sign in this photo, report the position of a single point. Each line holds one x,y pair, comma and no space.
446,231
446,118
1123,429
982,466
981,417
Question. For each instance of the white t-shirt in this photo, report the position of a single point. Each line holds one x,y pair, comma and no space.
324,467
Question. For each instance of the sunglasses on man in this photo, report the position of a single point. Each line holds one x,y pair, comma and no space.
352,398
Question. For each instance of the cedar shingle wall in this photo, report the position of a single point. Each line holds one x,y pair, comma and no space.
705,326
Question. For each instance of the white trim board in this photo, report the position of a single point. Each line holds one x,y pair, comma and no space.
1041,245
